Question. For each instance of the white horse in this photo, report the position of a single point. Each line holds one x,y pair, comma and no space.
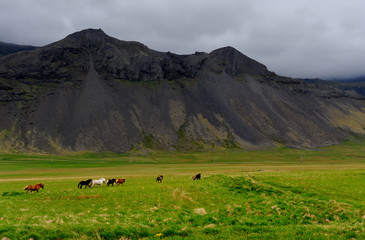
98,182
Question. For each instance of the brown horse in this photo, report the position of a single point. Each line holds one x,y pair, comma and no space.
32,188
120,181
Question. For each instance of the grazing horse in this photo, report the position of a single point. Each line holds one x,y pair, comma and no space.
197,177
86,183
98,182
159,178
32,188
111,181
120,181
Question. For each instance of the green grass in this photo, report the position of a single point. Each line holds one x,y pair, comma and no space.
269,194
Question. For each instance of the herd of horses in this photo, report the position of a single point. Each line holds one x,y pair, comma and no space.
91,183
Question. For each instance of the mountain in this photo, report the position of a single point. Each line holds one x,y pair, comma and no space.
355,84
92,92
10,48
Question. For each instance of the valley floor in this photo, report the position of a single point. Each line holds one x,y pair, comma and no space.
273,194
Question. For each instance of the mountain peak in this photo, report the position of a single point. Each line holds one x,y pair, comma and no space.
236,62
88,33
88,37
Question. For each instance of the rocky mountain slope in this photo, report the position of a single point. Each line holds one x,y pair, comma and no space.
92,92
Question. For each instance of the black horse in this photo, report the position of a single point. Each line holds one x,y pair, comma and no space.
86,183
111,181
159,178
197,177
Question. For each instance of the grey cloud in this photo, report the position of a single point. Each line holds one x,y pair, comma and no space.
293,38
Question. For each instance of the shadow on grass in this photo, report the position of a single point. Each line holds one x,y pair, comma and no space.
11,194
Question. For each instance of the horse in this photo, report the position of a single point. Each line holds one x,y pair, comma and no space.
32,188
98,182
159,178
111,181
120,181
86,183
197,177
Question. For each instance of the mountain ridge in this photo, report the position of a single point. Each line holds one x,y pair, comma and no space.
356,84
131,60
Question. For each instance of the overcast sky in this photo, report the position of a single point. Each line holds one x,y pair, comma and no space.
297,38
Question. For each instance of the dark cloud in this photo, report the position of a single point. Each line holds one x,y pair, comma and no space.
293,38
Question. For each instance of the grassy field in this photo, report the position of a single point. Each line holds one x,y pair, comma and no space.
273,194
